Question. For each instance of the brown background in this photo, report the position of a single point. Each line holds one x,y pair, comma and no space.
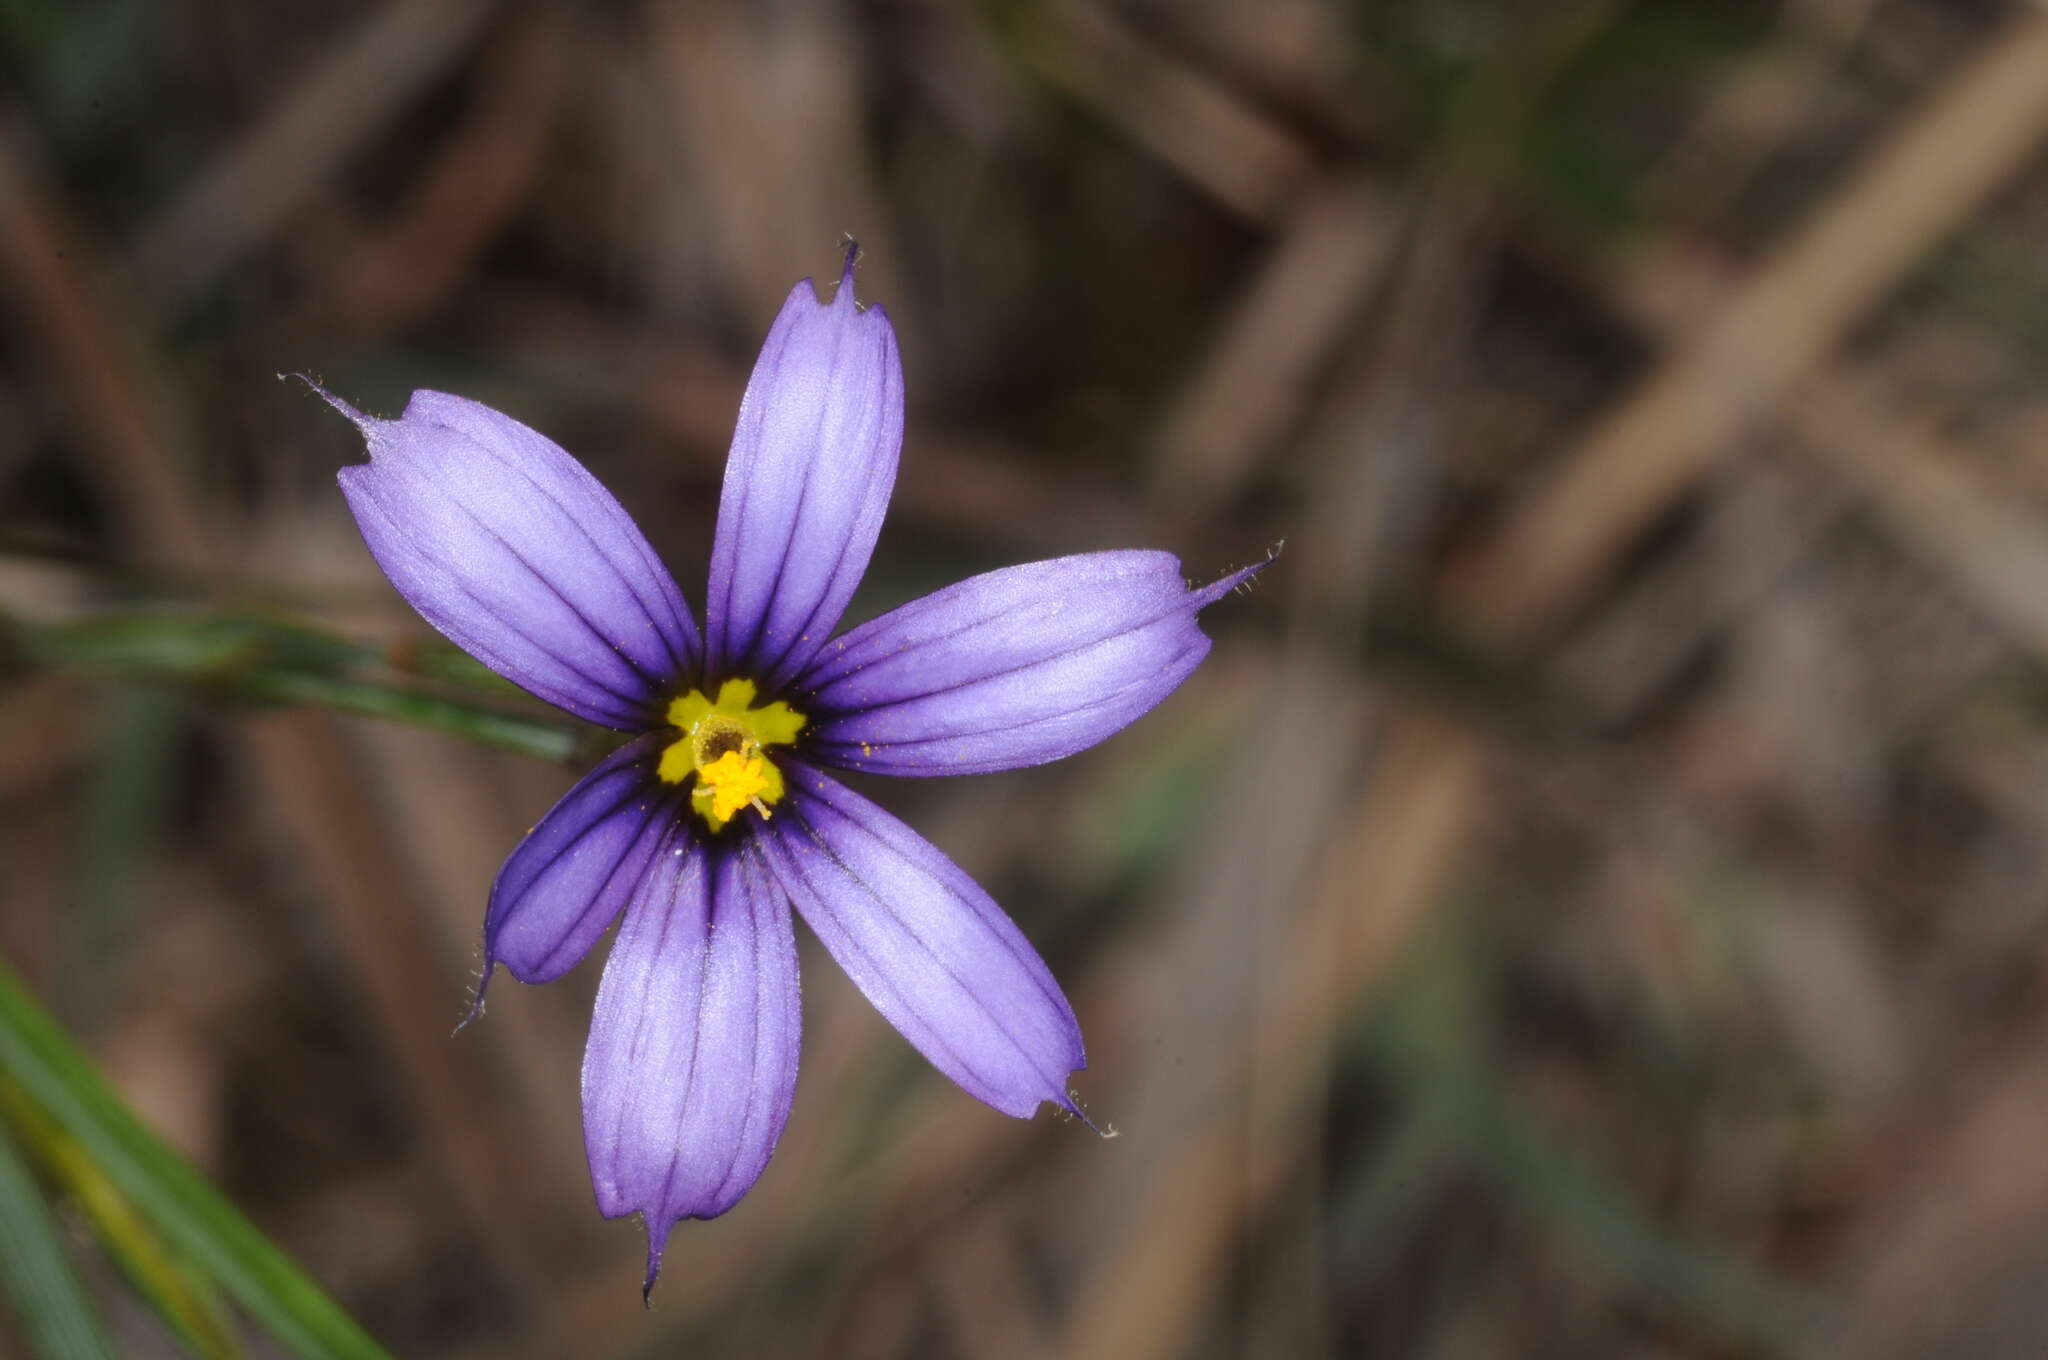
1592,901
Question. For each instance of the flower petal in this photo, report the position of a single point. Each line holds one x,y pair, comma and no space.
813,461
692,1060
512,549
925,944
1015,667
563,885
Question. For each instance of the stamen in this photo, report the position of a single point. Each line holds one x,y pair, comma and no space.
722,747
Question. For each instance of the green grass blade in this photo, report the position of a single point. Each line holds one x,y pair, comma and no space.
55,1312
194,1218
252,657
187,1302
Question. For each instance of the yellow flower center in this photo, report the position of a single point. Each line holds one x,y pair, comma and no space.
722,745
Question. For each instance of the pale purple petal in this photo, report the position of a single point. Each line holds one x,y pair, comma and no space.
1015,667
513,550
812,464
691,1065
924,944
563,885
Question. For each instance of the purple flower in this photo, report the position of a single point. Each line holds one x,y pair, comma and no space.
717,816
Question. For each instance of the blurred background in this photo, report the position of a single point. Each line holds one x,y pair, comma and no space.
1593,901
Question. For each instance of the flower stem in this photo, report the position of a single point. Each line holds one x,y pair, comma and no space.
251,656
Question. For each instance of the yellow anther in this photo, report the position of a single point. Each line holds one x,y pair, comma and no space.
730,783
721,744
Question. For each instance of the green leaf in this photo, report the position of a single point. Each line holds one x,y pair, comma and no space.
510,732
184,1299
254,657
194,1218
55,1312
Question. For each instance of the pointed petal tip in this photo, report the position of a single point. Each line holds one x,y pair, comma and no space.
814,457
852,249
927,946
517,554
1231,581
657,1242
691,1065
811,291
1071,1105
476,1000
357,417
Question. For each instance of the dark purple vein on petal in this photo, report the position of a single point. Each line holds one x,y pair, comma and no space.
641,549
702,959
655,684
745,870
632,715
744,490
655,813
868,429
838,751
1057,1083
826,709
750,654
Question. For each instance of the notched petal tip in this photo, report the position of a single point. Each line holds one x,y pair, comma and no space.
843,294
518,555
814,457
